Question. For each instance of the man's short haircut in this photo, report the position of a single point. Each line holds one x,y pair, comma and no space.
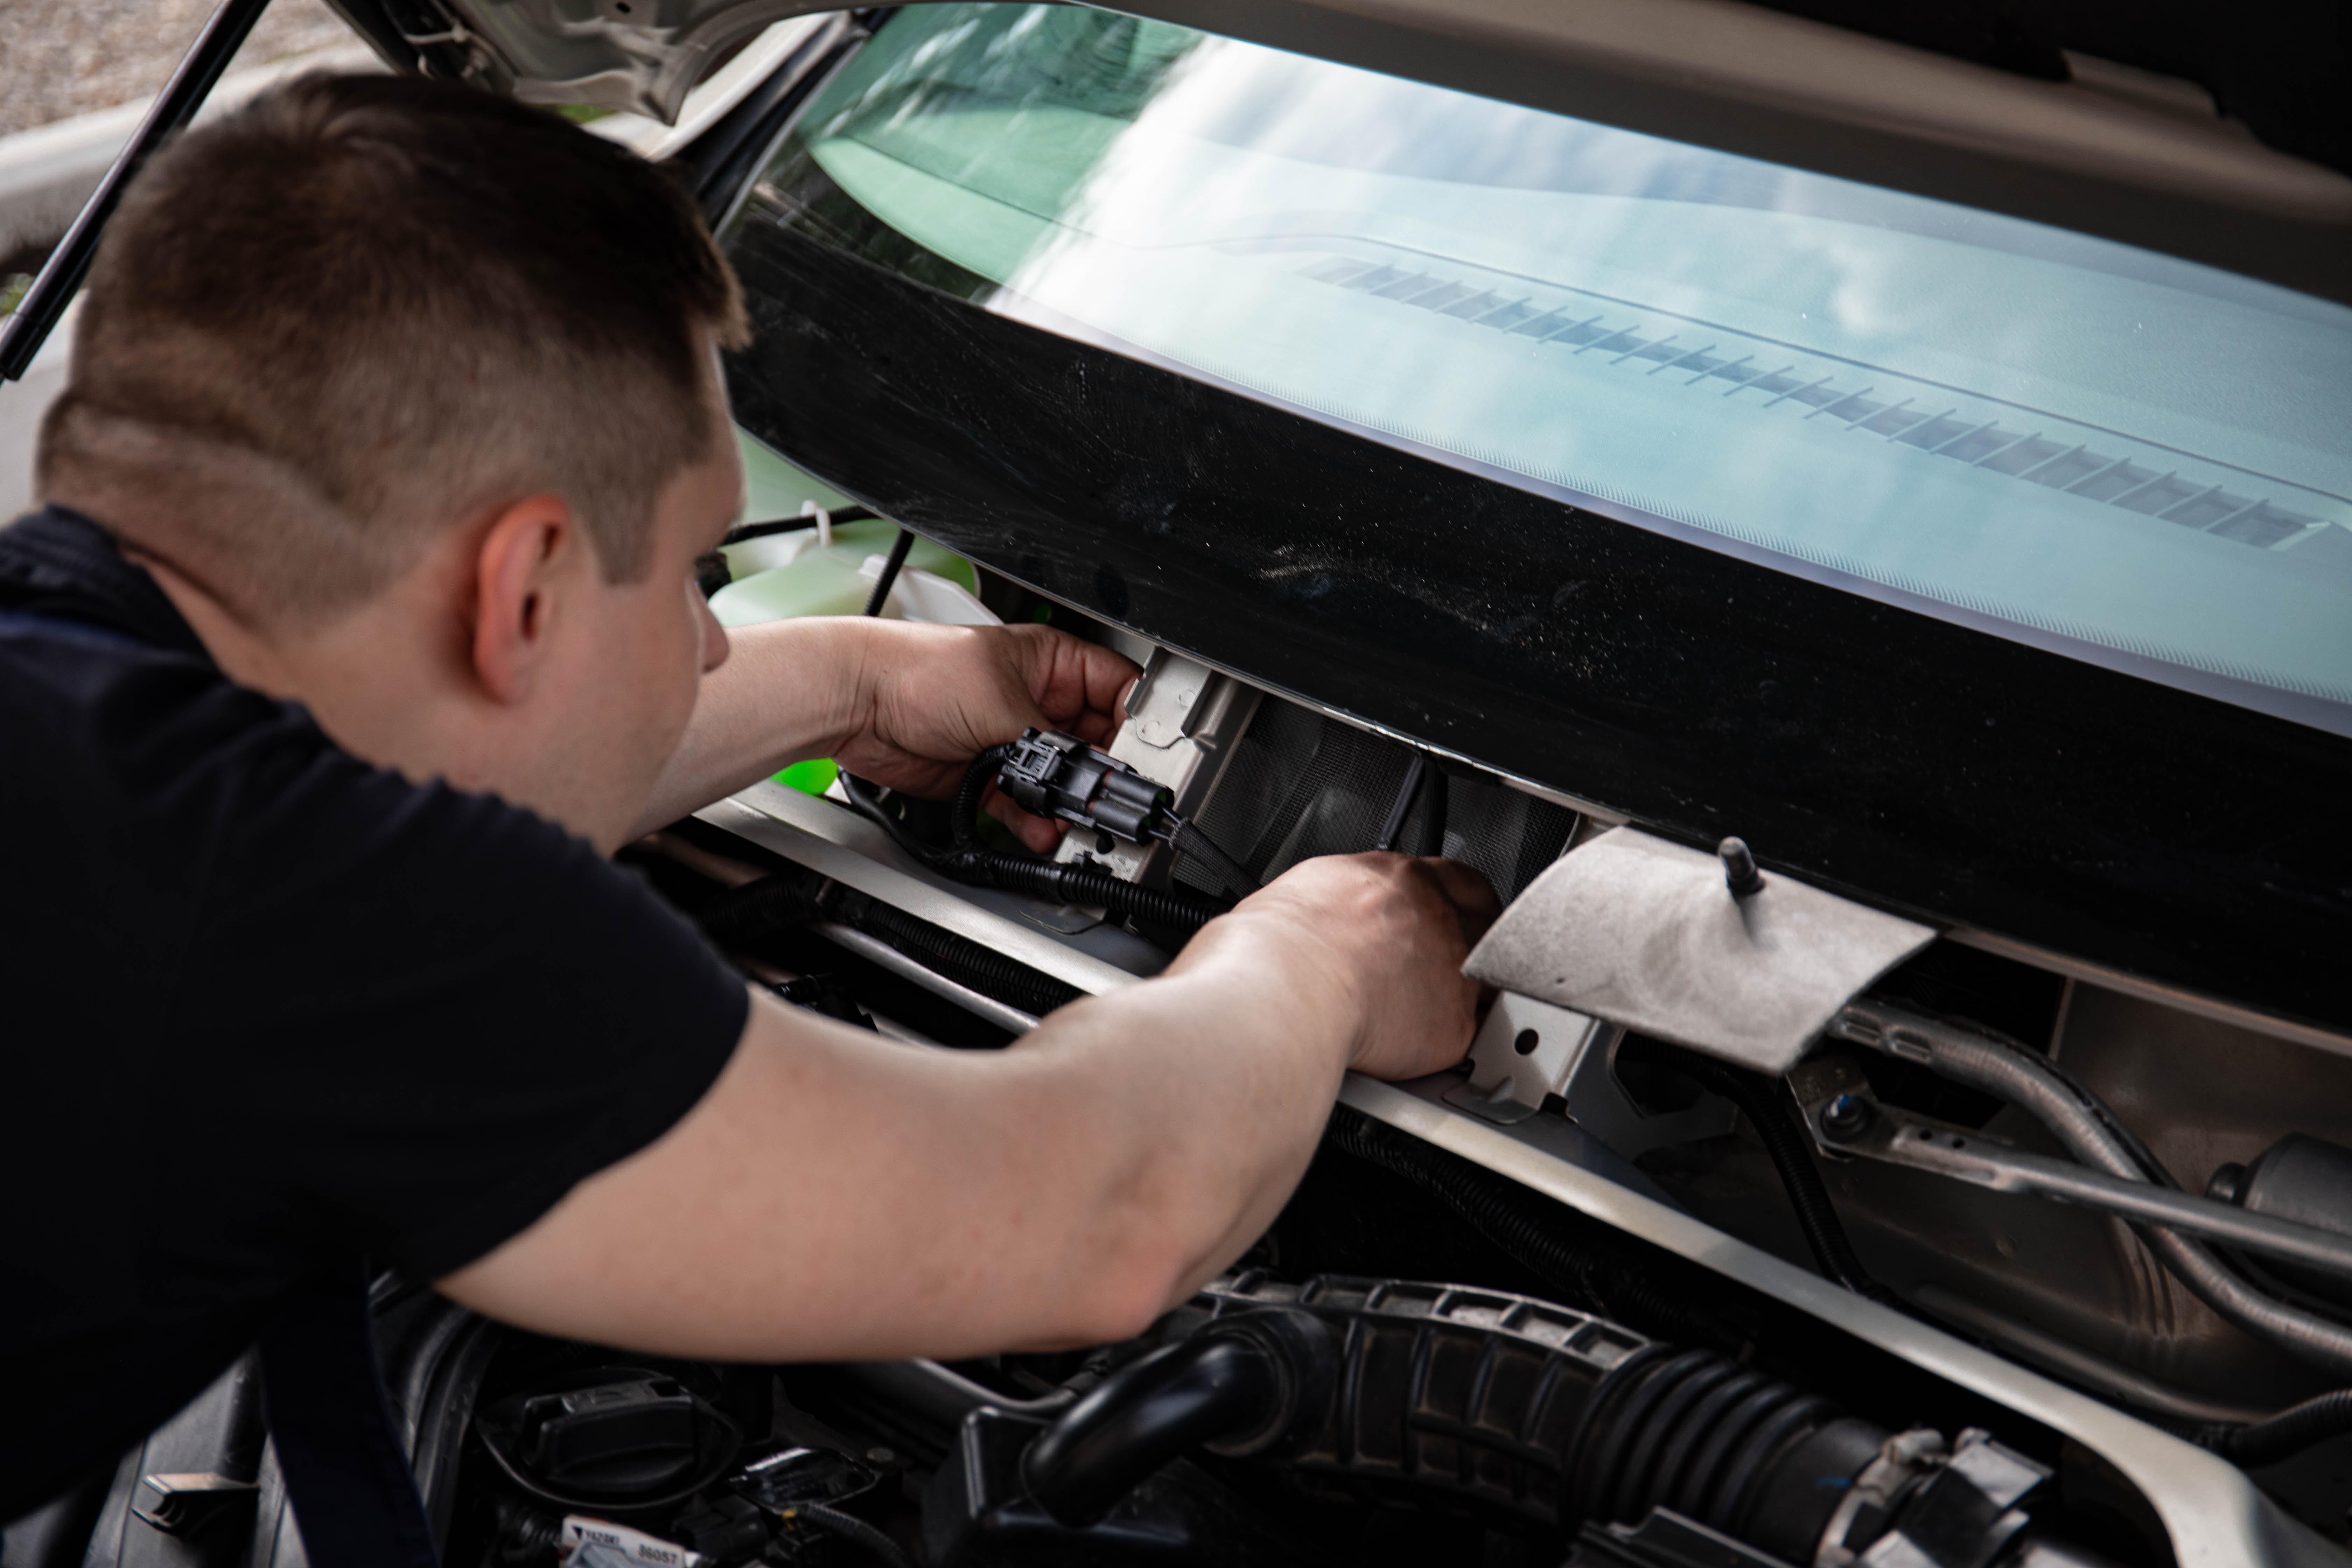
364,307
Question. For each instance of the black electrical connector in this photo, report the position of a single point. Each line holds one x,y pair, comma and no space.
1058,776
1061,777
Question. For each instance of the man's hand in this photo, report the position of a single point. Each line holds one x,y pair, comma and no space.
938,696
904,705
1385,935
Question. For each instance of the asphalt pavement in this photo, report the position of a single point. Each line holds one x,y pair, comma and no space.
64,58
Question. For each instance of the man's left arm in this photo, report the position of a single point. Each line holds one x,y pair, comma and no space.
903,705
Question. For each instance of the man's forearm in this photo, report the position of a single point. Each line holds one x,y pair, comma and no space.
1059,1193
789,691
1203,1096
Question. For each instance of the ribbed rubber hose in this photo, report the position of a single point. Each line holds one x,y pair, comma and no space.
1775,1123
1520,1223
2284,1435
1075,884
1067,881
780,898
2076,1119
963,816
1688,1430
984,969
851,1529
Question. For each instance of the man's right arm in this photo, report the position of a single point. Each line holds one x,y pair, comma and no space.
838,1196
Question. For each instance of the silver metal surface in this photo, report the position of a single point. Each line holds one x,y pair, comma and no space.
877,952
1900,1138
2199,1093
2037,1347
2085,1129
837,843
1525,1051
2214,1514
1528,1051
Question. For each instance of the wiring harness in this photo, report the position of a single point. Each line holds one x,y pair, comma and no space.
1060,777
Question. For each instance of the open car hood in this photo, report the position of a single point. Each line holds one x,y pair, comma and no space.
2074,128
640,57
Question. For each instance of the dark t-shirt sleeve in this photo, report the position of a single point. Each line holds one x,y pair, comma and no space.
448,1011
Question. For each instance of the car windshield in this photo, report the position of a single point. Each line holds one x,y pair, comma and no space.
2122,456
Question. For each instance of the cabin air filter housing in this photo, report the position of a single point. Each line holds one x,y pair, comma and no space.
1302,784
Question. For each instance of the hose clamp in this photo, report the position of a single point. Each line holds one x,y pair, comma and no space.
1902,1458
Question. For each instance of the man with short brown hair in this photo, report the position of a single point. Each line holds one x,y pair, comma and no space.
299,320
359,625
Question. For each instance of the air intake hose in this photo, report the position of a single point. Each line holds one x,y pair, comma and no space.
1530,1415
1200,1389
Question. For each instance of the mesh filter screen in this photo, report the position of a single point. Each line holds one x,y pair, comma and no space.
1302,785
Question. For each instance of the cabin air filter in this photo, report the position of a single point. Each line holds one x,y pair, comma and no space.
1681,945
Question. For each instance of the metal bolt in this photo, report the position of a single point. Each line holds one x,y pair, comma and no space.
2228,1184
1739,872
1847,1116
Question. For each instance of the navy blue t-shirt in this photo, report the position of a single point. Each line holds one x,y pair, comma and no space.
267,1006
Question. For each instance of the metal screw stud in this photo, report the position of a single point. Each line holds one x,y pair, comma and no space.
1846,1117
1739,872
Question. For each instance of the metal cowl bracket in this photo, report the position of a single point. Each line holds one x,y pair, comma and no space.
1528,1051
1659,939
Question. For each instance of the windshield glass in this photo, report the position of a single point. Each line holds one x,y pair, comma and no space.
2125,456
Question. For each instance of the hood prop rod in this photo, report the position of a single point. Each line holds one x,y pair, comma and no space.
44,304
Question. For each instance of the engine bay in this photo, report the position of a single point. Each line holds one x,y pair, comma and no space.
1592,1298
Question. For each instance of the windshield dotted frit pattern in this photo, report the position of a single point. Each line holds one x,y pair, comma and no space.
2127,458
2042,448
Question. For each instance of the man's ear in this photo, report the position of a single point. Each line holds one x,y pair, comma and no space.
522,575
